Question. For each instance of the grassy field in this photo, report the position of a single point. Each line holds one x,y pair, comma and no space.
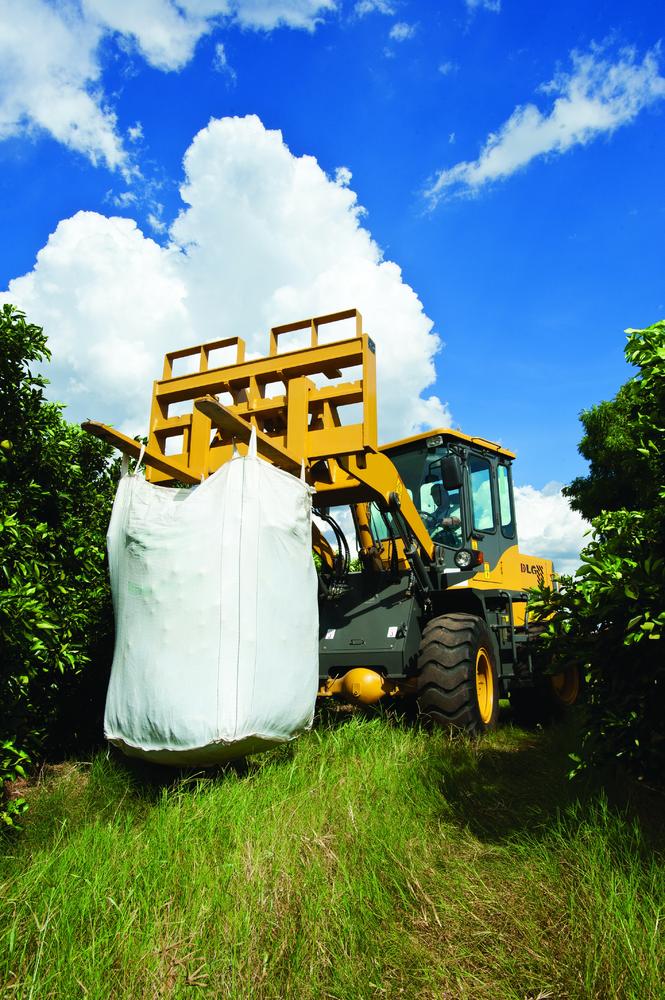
366,860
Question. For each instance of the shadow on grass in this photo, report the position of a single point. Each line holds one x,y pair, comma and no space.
495,792
498,792
509,783
149,781
490,789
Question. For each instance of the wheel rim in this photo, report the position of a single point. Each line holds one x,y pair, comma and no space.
566,686
484,685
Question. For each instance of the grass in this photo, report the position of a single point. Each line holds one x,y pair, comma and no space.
365,860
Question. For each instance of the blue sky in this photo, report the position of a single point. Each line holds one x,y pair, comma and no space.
507,158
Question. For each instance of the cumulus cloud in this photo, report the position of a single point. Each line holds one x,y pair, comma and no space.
598,96
548,527
49,80
50,68
109,300
401,31
265,237
164,33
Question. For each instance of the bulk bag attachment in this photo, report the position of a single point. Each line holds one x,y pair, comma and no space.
215,601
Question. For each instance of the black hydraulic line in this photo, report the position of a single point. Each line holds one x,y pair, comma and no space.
343,560
411,553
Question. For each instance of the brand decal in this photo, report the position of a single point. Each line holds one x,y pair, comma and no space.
534,569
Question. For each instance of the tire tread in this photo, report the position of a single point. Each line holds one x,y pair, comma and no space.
446,672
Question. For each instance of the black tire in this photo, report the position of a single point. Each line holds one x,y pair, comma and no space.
456,654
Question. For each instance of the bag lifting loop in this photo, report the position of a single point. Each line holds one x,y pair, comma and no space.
139,460
251,451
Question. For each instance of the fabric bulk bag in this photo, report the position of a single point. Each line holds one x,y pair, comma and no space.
215,600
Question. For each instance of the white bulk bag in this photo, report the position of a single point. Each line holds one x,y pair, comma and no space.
215,600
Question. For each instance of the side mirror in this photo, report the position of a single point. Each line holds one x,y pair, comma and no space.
451,472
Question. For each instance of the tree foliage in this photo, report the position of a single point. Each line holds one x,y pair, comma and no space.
56,490
610,618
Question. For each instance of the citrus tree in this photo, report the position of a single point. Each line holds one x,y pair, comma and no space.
609,619
56,491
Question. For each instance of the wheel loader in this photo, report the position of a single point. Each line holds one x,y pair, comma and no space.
435,609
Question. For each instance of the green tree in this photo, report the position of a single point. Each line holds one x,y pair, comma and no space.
56,491
623,437
610,618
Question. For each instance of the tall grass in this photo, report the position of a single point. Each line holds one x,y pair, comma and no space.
365,860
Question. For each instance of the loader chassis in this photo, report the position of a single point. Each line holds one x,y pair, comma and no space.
433,516
377,619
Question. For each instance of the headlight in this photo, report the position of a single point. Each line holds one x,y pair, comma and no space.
465,559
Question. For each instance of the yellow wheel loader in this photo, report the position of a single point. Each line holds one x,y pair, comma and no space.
436,612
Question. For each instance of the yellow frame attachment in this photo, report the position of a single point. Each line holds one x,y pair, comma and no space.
298,422
294,401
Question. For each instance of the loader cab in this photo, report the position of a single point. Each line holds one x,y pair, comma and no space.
462,488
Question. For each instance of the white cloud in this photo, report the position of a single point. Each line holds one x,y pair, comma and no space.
50,68
265,237
156,223
401,31
446,68
49,80
124,199
268,14
597,97
364,7
135,132
343,176
164,33
493,5
109,299
548,527
221,62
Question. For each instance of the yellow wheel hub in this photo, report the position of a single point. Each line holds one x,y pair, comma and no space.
566,686
484,685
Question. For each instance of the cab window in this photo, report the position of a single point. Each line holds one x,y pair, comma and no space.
481,493
439,508
505,506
